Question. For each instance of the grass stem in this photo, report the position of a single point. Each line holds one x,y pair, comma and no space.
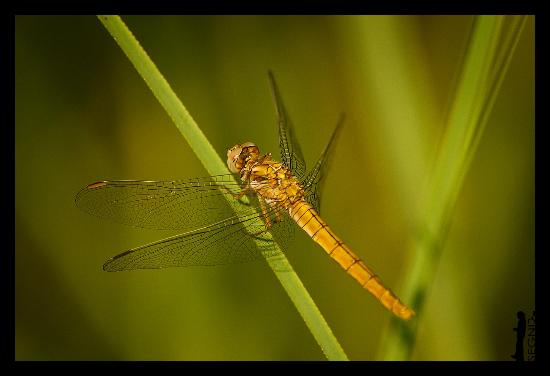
214,165
491,46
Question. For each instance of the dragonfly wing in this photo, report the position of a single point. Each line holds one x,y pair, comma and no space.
165,205
313,182
233,240
235,233
291,153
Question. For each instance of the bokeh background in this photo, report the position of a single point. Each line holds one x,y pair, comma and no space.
83,114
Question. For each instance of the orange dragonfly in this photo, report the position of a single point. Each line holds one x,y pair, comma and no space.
279,196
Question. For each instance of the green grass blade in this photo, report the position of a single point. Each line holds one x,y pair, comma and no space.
214,165
491,47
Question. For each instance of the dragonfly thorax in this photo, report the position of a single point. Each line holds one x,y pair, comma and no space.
271,180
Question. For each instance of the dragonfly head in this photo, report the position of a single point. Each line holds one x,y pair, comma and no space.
239,154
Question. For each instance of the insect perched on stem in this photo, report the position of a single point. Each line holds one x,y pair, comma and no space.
219,225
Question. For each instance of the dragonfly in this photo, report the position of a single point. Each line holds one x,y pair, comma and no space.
250,214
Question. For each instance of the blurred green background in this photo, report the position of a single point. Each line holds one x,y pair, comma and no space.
83,114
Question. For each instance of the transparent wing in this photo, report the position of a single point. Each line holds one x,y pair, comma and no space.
313,182
234,240
291,154
164,205
231,234
221,243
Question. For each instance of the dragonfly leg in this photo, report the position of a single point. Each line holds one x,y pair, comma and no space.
264,213
267,220
278,216
238,196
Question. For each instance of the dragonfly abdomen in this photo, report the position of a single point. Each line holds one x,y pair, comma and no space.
309,220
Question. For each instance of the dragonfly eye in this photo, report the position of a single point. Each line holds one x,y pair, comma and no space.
248,144
233,158
238,154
